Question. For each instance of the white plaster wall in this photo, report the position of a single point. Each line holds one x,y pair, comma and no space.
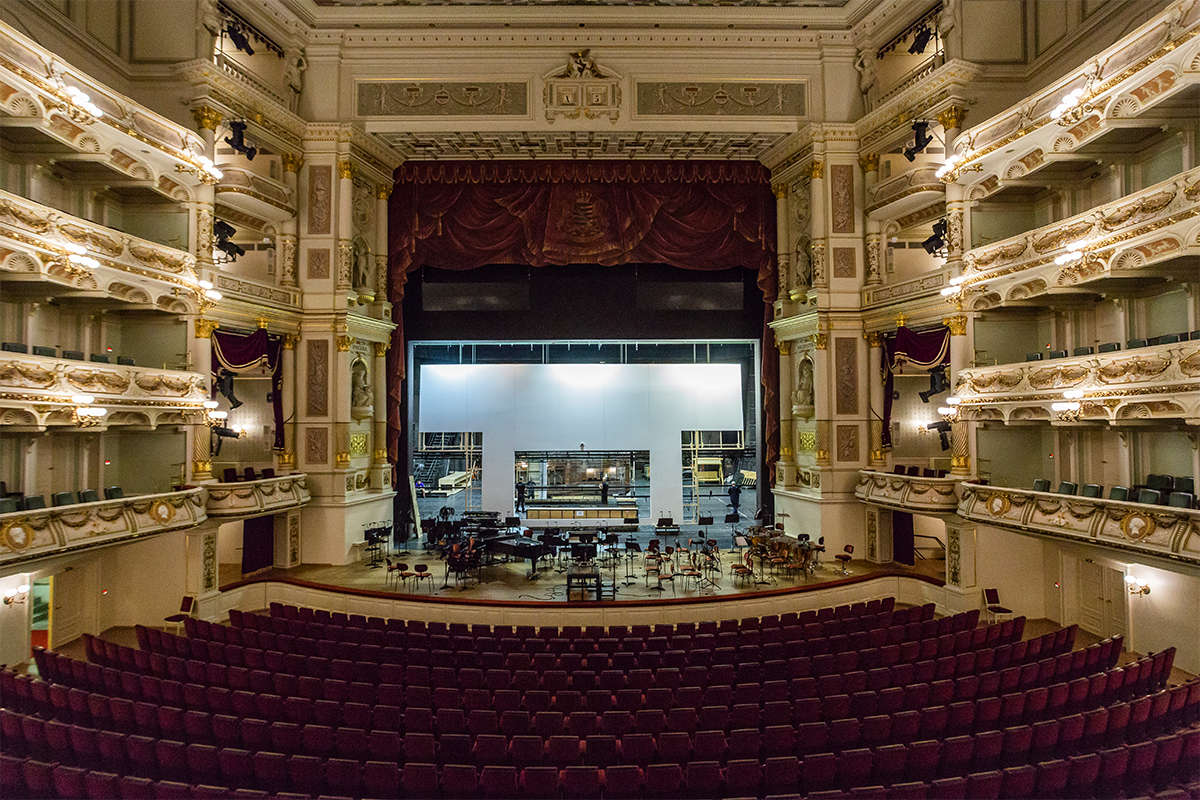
14,622
1015,565
142,582
328,533
1167,617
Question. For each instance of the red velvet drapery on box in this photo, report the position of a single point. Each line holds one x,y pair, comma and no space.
693,215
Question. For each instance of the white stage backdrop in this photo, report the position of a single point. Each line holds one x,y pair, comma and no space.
601,406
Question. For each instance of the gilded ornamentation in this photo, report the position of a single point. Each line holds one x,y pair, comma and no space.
205,327
1058,377
15,373
344,343
379,456
780,190
290,341
1136,368
806,441
820,340
442,98
757,99
207,118
1137,526
874,338
358,444
952,118
817,170
341,459
956,324
997,505
345,169
94,381
383,191
380,348
784,348
291,162
869,162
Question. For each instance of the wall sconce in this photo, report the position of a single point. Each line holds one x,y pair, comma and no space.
949,171
205,170
1074,106
207,296
215,419
949,412
1071,409
1137,585
20,593
87,415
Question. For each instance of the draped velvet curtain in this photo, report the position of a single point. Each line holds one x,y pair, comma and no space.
922,349
238,352
692,215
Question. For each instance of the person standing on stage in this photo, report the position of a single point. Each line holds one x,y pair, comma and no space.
735,494
604,491
520,495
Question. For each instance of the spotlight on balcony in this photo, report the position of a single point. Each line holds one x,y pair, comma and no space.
921,40
938,383
224,232
938,240
921,140
237,140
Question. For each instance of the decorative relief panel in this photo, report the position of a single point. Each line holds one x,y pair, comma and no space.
316,445
317,386
847,443
320,198
872,535
579,144
845,353
358,444
442,99
293,539
751,99
953,556
845,262
318,265
842,189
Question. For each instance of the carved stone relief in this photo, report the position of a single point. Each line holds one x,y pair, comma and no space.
758,99
442,99
842,189
818,263
318,265
288,270
953,556
320,180
847,442
345,258
845,263
316,445
845,355
317,387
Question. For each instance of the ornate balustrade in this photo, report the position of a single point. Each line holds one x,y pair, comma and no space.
918,96
1143,70
1162,381
26,535
251,498
908,492
256,293
1145,234
905,193
1156,530
256,195
39,91
37,242
37,391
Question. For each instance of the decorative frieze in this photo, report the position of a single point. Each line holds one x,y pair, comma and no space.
250,498
727,98
442,99
908,492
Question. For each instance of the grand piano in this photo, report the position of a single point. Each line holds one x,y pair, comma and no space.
517,546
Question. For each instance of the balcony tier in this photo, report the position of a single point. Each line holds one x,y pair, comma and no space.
906,193
252,498
1123,387
908,492
34,260
1134,527
1143,237
26,535
1129,90
252,194
36,391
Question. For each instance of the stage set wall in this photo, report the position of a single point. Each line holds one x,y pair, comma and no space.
581,407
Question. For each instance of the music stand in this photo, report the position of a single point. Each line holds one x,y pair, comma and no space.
705,521
665,522
583,553
512,522
630,547
733,518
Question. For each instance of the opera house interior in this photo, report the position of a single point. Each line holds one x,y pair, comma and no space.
600,398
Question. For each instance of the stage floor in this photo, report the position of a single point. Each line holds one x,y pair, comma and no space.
509,581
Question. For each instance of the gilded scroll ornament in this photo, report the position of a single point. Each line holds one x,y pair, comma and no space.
291,162
14,373
1058,377
1134,369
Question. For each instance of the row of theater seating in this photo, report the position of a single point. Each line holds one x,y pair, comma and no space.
1112,347
1158,490
17,502
73,355
231,474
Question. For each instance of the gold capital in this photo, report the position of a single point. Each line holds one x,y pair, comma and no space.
205,327
960,462
820,340
342,459
874,338
207,117
780,190
262,322
380,456
201,468
952,117
344,343
380,348
287,459
291,162
869,162
818,169
383,191
957,325
290,340
784,348
345,169
901,320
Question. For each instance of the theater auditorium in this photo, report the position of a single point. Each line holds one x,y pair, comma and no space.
532,399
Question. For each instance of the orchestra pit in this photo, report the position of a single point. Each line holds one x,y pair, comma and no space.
472,399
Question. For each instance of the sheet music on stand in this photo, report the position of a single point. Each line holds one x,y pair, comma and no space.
375,534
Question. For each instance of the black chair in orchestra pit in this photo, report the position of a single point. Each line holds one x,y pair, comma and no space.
844,557
991,601
421,571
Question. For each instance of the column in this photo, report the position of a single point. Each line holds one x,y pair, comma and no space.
956,234
817,190
288,238
287,459
200,356
821,376
340,394
784,241
874,241
201,238
785,468
345,226
961,544
875,398
961,356
382,192
379,462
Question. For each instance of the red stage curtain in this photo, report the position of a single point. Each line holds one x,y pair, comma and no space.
693,215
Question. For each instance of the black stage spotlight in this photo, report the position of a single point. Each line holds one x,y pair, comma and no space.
921,140
224,231
938,383
943,429
237,140
938,240
920,40
235,34
225,387
222,435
